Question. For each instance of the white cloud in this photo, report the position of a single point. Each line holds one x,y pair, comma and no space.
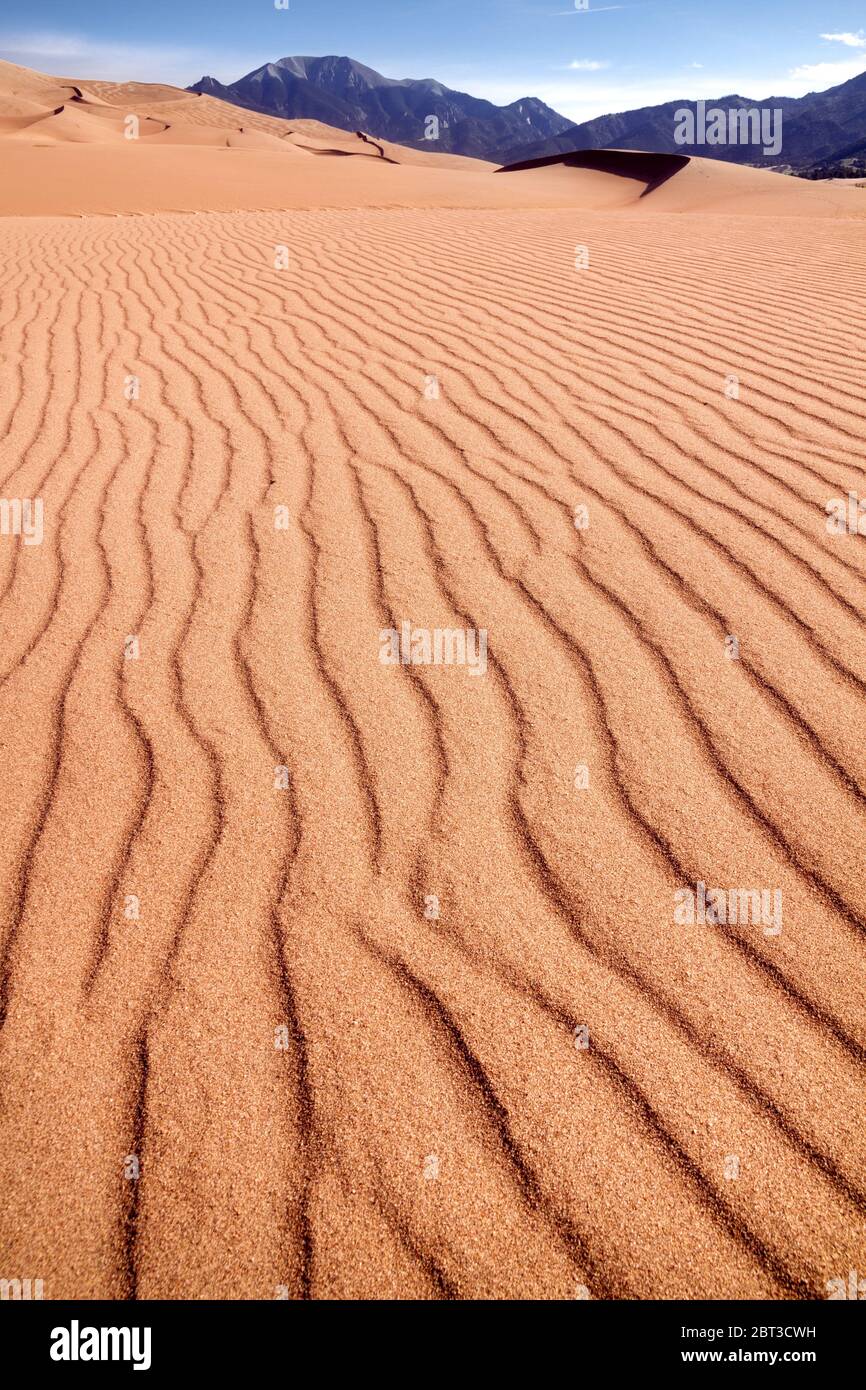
583,98
43,45
857,40
75,55
586,65
817,76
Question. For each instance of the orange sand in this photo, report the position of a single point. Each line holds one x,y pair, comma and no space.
329,1092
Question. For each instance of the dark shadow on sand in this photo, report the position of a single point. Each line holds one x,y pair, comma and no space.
647,168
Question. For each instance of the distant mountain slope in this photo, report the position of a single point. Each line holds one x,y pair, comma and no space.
342,92
816,128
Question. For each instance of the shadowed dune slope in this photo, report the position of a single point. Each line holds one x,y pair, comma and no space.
679,183
651,170
332,978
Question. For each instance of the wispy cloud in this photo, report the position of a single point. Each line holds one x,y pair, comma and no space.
596,9
49,45
80,56
581,98
821,75
585,65
857,40
44,45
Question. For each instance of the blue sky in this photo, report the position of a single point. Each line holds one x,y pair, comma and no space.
611,58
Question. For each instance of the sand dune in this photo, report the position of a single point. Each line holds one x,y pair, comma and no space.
298,947
177,163
654,183
66,123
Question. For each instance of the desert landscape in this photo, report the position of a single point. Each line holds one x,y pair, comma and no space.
342,959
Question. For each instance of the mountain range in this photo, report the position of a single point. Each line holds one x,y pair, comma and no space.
342,92
819,129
